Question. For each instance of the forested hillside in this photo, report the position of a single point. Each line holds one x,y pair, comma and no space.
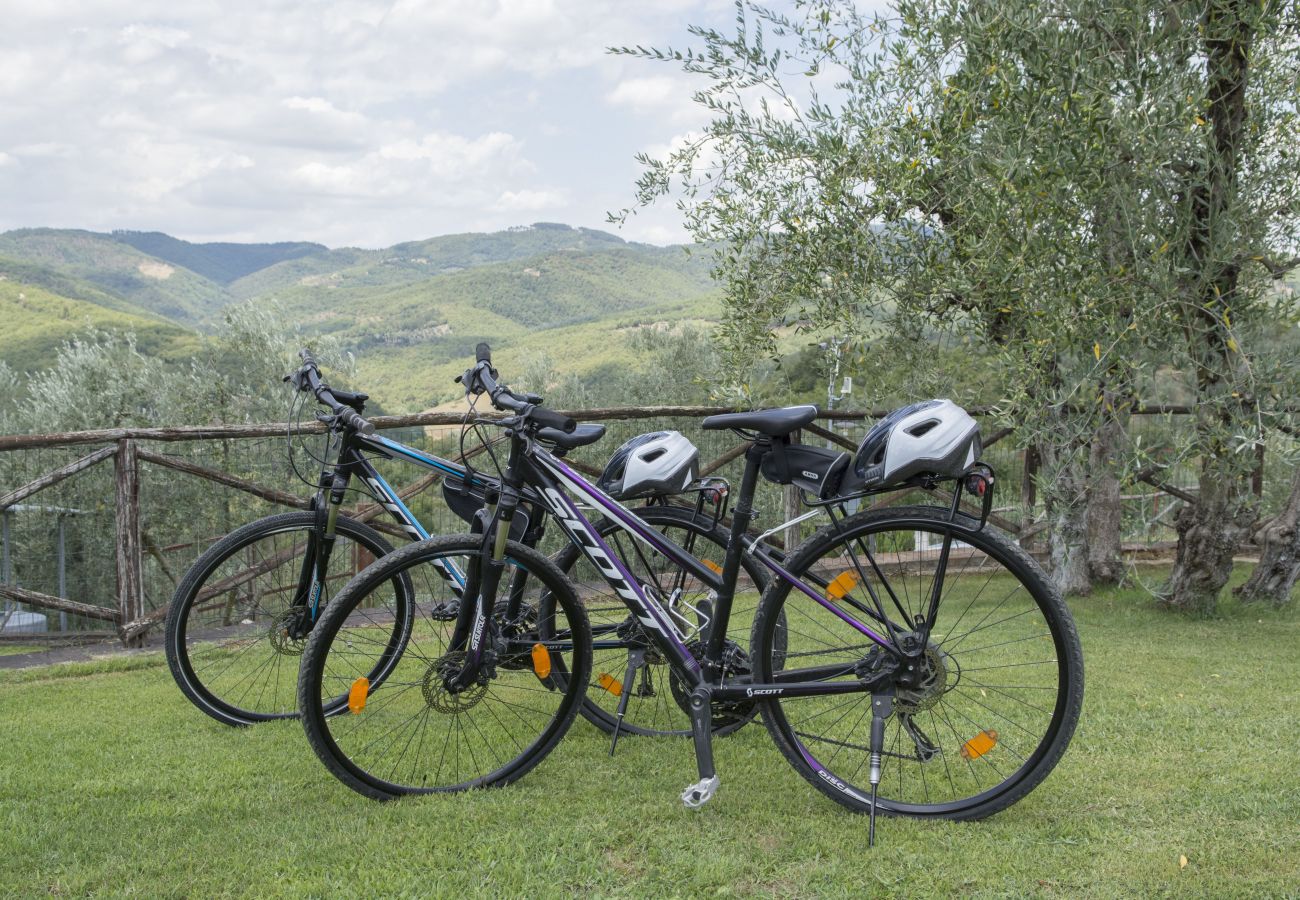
220,262
410,313
36,321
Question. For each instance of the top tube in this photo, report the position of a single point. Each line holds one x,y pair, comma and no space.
631,523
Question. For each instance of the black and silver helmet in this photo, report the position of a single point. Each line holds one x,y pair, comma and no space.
661,462
933,436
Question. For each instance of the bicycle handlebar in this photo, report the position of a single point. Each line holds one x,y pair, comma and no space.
308,379
483,379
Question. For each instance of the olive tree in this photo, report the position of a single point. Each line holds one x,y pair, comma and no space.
1056,177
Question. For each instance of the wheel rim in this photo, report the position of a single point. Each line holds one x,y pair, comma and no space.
989,693
416,733
242,637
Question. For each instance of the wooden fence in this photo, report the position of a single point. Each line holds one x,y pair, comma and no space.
128,448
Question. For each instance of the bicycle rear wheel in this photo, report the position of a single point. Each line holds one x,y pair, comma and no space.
1000,681
415,733
237,622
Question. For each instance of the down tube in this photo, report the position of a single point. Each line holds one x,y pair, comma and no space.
388,498
579,530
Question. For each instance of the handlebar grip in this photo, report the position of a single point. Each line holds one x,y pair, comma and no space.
307,359
549,418
350,417
483,353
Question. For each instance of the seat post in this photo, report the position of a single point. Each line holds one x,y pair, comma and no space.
741,516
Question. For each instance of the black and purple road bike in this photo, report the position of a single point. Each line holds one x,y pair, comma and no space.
910,659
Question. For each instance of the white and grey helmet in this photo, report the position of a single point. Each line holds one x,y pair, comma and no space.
661,462
935,436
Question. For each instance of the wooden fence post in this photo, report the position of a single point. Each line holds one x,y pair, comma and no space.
130,567
1028,492
1257,476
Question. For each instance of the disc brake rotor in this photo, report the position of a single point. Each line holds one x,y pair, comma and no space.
284,626
932,684
436,677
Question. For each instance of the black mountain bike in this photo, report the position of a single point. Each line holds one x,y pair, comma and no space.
909,659
241,614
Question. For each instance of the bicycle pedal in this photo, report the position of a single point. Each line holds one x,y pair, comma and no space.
700,793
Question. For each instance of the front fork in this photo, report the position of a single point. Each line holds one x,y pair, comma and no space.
482,582
316,561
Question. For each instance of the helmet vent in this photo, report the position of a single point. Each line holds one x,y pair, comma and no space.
923,428
654,454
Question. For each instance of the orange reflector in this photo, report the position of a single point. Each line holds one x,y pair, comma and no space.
541,660
710,564
357,696
840,587
610,683
980,744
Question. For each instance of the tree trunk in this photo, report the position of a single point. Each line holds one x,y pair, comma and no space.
1278,569
1211,530
1209,533
1065,497
1105,515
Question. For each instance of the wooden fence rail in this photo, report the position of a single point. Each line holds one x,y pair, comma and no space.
129,447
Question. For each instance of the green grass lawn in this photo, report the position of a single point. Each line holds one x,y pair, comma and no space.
113,784
16,649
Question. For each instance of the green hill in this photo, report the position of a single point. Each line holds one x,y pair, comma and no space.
38,321
411,338
119,269
415,261
219,262
411,313
60,282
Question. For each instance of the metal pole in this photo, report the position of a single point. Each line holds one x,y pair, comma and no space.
5,573
63,573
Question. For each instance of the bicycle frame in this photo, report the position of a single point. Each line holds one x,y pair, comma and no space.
352,462
549,477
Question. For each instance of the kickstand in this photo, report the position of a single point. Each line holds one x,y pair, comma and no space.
882,705
635,661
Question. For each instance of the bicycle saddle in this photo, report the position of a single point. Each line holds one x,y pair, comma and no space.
775,422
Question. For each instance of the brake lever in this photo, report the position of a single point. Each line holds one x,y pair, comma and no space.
508,422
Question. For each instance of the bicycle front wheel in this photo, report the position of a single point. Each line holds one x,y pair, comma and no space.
999,682
418,732
239,618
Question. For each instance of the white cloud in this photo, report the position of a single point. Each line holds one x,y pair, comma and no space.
646,93
46,150
656,234
668,98
529,201
353,121
143,43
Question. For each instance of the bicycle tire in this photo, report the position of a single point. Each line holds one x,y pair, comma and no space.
352,746
657,710
220,693
953,696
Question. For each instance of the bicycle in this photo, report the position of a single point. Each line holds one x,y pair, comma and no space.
241,613
858,627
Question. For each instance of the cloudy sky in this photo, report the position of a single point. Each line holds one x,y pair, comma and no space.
348,122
